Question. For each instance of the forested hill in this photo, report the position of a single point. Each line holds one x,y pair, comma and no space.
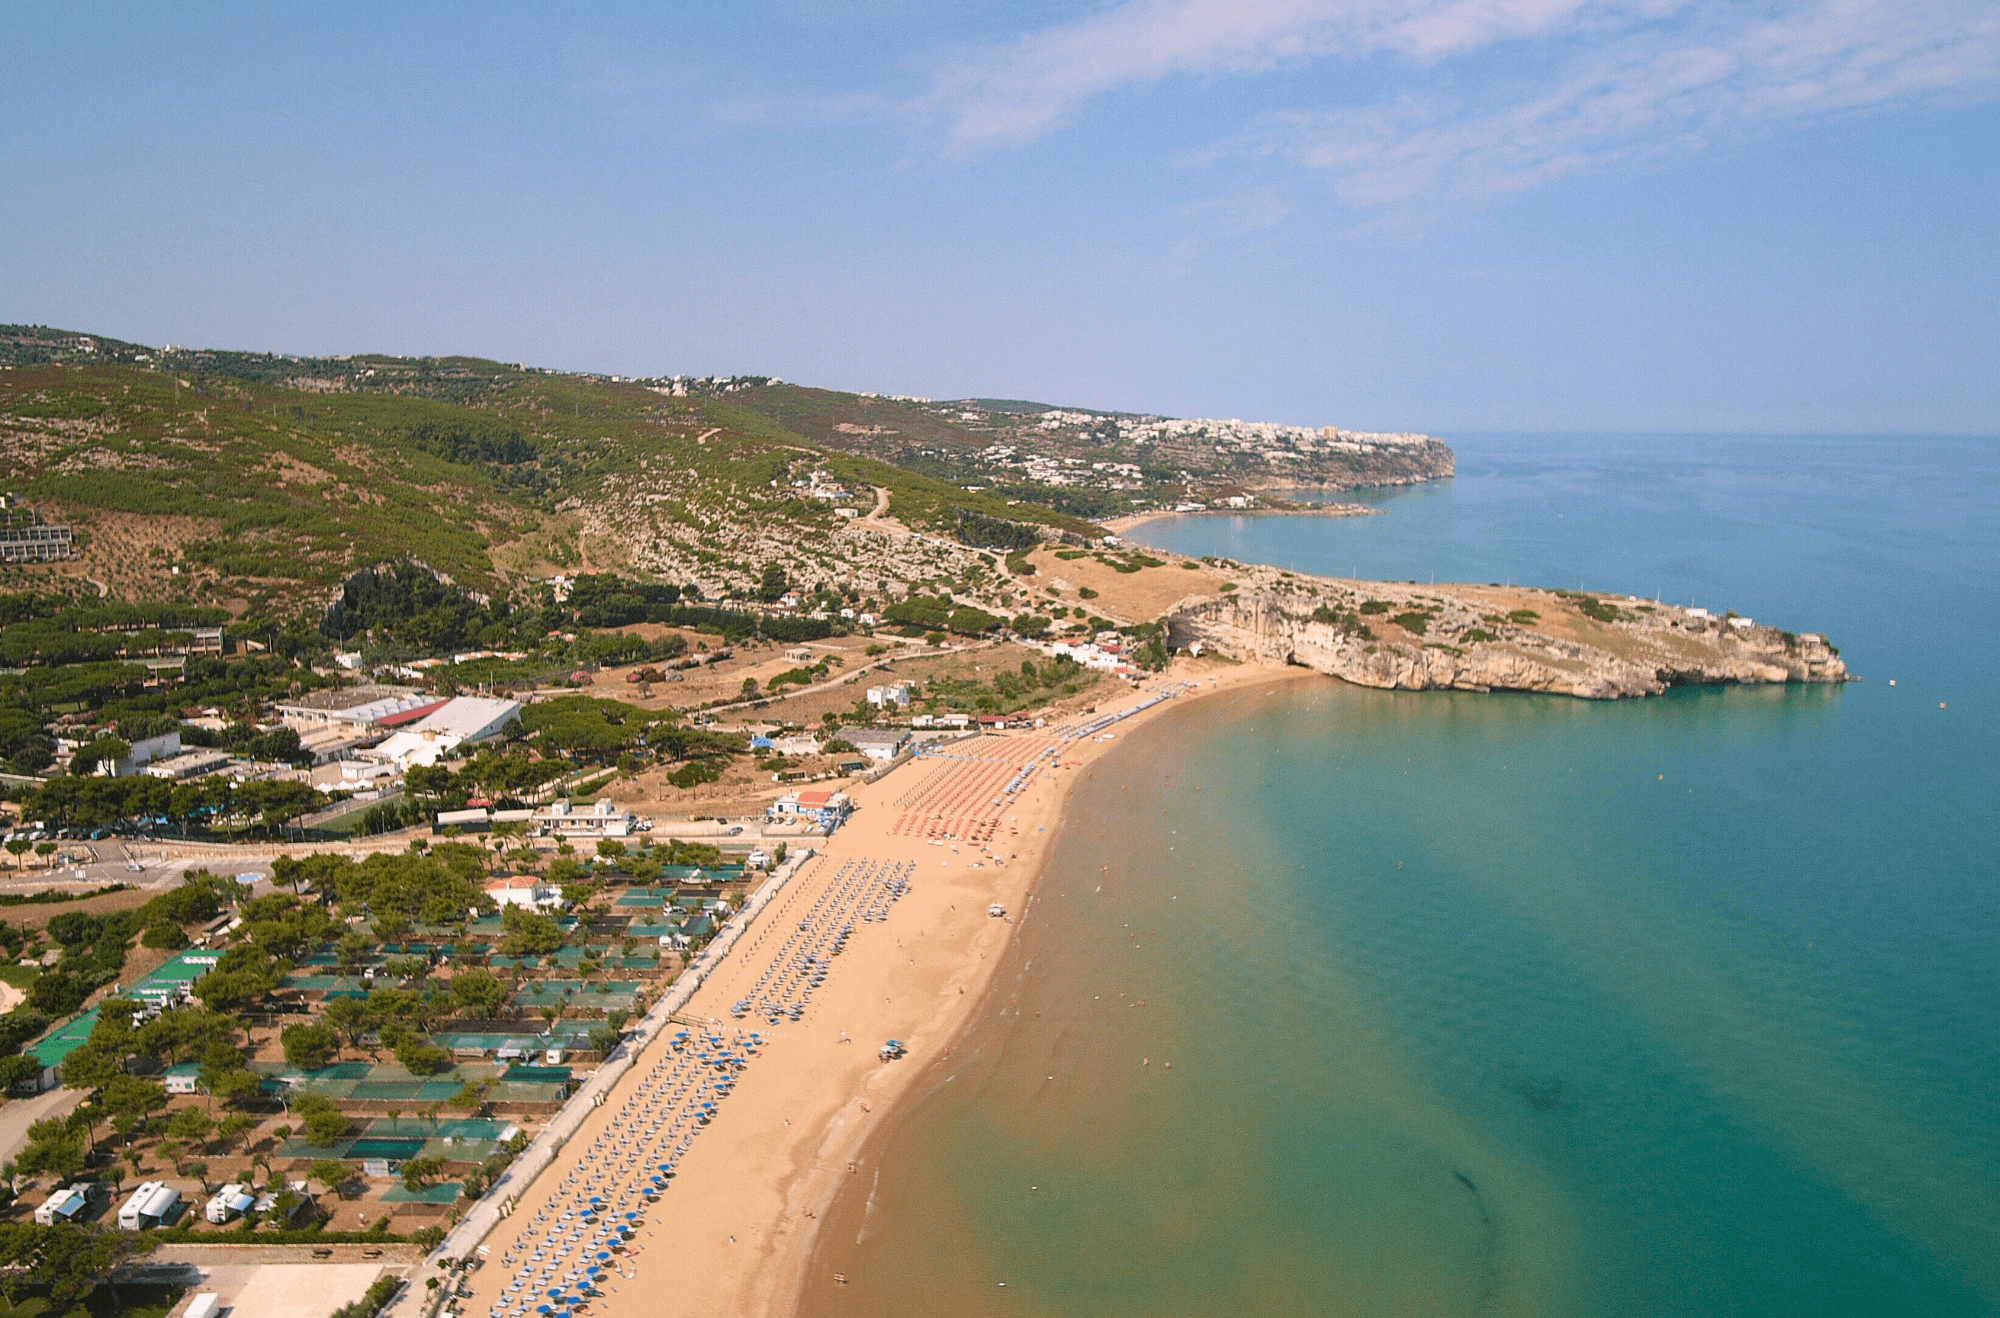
260,482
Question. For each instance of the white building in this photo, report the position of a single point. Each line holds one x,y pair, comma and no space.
189,764
879,744
444,729
351,706
143,752
1100,658
826,809
605,818
895,693
407,749
469,718
524,890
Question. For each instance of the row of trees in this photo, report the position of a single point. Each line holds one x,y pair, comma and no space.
204,806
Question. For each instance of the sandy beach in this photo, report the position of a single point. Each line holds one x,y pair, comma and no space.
1126,525
735,1232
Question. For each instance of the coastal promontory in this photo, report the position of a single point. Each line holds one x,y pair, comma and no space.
1413,637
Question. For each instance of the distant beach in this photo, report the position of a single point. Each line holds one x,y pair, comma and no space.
1126,526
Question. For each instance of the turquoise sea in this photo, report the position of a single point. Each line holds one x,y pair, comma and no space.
1514,1004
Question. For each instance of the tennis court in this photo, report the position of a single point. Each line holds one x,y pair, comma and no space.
429,1194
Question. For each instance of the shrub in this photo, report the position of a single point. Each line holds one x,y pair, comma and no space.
528,933
310,1046
1347,622
325,1123
377,1297
420,1058
695,772
969,621
165,934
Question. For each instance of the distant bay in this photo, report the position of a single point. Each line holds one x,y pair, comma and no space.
1515,1004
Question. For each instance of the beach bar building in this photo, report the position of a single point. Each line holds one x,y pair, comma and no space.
826,809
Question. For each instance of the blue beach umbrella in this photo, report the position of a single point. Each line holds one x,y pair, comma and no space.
603,1255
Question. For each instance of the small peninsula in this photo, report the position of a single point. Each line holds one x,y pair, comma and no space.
1495,638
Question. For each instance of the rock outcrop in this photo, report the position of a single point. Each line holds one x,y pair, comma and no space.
1477,638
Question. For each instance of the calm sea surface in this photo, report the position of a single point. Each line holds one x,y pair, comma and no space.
1515,1004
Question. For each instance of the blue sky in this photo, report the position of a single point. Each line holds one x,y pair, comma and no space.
1445,215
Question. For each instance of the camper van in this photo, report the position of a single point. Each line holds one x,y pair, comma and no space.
230,1202
151,1204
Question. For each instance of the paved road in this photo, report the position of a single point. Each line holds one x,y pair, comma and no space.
17,1114
142,864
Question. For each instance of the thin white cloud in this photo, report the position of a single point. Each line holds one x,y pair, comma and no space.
1608,80
1021,90
1644,94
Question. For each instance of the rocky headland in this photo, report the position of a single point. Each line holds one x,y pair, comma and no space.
1405,636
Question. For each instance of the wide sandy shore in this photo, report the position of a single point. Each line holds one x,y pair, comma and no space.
735,1232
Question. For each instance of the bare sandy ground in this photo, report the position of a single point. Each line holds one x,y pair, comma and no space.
735,1232
1133,596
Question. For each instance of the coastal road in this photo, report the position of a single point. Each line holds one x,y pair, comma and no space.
21,1113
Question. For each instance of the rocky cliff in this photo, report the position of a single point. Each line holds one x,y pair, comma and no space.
1480,638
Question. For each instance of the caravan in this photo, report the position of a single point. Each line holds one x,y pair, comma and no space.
69,1203
231,1202
152,1204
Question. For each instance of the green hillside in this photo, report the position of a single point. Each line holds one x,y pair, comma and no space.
268,479
259,482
